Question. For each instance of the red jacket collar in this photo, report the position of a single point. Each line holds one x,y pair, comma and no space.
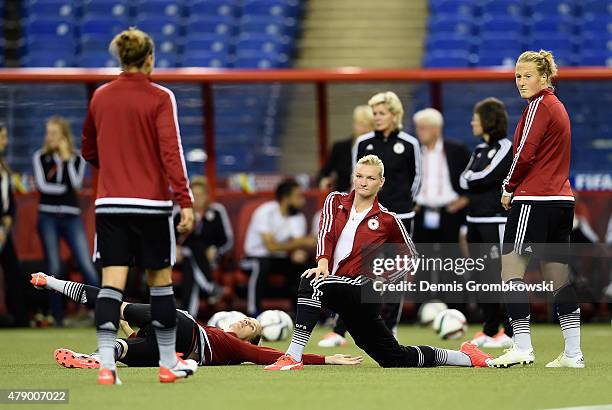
544,91
347,203
134,76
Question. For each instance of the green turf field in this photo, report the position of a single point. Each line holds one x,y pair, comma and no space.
26,362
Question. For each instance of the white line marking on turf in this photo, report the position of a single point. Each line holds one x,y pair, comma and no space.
599,407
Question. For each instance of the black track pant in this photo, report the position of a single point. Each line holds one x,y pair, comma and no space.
142,349
391,310
363,320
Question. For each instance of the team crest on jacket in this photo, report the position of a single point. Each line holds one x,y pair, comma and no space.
399,148
373,224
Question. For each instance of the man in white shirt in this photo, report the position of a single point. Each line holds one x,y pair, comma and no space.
277,241
440,210
440,201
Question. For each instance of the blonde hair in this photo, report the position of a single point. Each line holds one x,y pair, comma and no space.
429,115
201,181
131,47
393,103
544,62
363,113
374,161
66,131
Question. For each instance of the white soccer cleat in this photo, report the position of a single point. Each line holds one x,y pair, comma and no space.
332,340
512,357
563,361
499,341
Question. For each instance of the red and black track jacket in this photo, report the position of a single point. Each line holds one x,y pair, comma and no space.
132,135
378,228
542,140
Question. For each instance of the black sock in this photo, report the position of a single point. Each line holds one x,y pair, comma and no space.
163,316
89,296
107,314
517,303
308,311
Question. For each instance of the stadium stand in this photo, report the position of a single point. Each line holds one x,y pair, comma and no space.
485,33
201,33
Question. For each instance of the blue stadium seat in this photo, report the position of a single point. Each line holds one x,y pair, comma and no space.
49,59
209,8
63,9
268,25
251,59
206,59
264,42
49,44
106,9
501,58
440,43
553,9
225,25
593,8
94,43
596,58
596,24
159,27
167,46
501,24
557,42
447,59
166,59
598,41
159,8
96,59
448,24
275,8
99,26
500,41
502,8
556,24
207,42
48,27
461,8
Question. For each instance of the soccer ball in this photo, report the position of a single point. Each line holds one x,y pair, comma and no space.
224,319
276,325
428,311
450,324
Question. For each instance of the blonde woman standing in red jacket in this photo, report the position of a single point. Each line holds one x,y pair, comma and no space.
538,193
131,134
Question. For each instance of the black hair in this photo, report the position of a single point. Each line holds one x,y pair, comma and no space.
285,188
493,118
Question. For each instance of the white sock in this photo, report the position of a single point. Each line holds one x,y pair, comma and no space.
55,283
522,333
570,327
295,350
445,357
298,341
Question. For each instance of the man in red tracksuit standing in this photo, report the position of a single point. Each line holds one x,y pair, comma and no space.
354,227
